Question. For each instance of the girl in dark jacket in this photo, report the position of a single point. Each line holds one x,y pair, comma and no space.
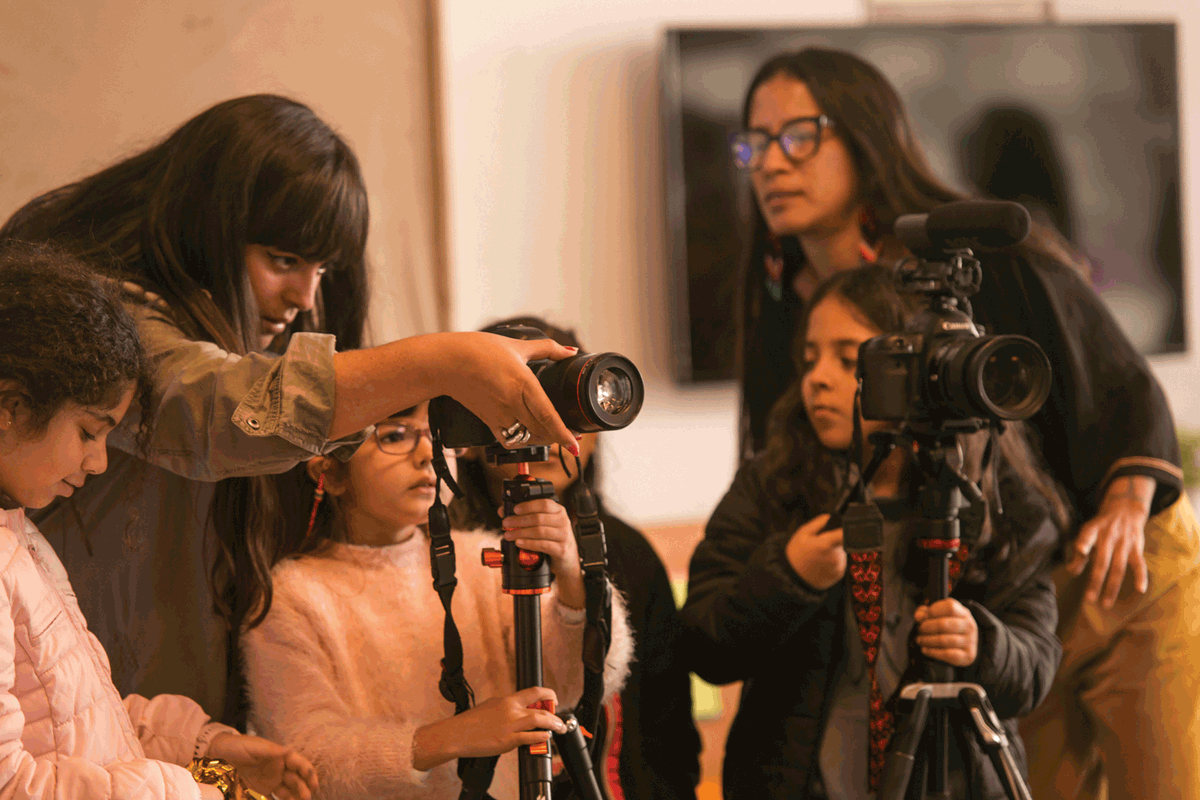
833,162
768,603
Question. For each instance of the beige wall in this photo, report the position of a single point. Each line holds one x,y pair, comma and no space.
84,82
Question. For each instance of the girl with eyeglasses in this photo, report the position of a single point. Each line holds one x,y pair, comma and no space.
346,664
243,234
833,161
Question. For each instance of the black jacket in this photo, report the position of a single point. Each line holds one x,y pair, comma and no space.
750,617
660,747
1106,415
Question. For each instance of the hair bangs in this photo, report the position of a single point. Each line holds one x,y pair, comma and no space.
320,215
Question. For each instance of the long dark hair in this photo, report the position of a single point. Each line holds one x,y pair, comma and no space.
477,508
894,179
804,472
260,169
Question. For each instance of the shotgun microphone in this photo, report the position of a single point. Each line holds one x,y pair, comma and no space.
982,224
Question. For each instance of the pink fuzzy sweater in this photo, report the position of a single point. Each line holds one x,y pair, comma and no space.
345,667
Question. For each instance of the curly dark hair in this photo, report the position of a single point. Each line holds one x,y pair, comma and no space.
804,470
68,337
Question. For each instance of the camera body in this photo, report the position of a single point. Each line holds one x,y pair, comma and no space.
590,391
944,369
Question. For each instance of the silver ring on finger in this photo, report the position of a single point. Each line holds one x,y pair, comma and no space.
515,435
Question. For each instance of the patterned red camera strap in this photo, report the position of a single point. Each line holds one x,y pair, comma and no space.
866,592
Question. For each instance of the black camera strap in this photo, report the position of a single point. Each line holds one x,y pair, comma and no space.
597,634
475,773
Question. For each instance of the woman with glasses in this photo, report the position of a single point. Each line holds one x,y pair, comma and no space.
242,237
346,665
833,161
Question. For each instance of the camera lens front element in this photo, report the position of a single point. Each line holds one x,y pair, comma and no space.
1011,375
1001,377
614,391
593,391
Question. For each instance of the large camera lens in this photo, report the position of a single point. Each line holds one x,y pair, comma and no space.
1003,377
593,391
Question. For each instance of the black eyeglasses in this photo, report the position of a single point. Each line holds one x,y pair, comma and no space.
798,138
398,439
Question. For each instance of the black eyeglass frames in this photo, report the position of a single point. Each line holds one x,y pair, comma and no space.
798,138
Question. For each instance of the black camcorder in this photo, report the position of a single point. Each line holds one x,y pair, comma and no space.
943,369
590,391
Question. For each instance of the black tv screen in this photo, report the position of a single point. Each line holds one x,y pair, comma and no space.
1096,106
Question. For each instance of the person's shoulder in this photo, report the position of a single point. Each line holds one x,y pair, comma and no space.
13,525
10,541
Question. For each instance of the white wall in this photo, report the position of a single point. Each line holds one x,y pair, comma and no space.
555,190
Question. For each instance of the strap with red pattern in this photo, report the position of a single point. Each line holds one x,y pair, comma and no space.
866,593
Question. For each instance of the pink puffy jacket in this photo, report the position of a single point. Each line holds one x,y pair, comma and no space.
64,730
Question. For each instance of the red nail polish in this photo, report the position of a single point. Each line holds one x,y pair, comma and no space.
574,449
572,349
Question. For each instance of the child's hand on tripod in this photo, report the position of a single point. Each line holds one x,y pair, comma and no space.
947,631
543,526
495,726
817,555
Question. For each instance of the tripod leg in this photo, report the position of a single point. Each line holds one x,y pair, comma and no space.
577,759
897,773
995,742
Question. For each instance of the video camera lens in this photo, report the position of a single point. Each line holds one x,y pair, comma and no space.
1003,377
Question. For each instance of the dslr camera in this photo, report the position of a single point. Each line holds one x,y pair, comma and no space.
590,391
944,369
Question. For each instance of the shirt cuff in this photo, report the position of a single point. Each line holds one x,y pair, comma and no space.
294,400
207,734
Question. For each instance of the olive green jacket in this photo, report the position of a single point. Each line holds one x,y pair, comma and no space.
137,551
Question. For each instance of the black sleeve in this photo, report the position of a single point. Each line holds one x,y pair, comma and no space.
671,744
657,699
1018,650
744,599
1106,415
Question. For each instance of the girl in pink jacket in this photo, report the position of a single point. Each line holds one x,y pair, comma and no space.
345,665
70,367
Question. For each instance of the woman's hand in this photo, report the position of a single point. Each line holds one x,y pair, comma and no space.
947,631
817,556
495,726
543,526
491,378
485,372
266,767
1115,538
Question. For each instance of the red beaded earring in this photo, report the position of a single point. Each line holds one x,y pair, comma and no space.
318,495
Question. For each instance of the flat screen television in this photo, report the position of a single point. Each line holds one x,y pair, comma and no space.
1092,108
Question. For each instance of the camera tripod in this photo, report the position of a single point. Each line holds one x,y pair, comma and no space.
526,576
931,702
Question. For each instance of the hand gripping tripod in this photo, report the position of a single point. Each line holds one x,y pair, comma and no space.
930,703
526,576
